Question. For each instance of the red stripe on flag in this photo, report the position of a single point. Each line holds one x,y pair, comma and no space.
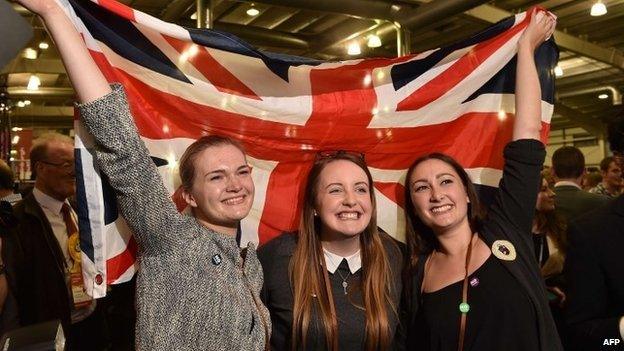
282,204
393,191
212,70
118,265
178,199
118,8
457,72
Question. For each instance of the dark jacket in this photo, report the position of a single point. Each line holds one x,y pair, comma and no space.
36,267
594,271
573,202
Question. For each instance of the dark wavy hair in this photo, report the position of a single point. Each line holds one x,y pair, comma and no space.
421,239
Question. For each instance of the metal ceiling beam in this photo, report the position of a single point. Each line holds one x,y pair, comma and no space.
23,65
18,92
566,41
48,123
371,9
175,10
43,111
616,96
405,15
580,119
434,11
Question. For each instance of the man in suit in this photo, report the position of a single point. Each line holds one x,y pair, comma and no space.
45,265
594,269
568,166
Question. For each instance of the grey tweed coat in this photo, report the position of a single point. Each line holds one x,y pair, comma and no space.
194,290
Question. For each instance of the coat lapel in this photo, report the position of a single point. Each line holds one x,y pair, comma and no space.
32,208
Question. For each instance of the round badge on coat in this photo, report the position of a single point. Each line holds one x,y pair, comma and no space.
504,250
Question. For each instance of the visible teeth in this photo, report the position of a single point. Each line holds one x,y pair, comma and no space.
348,215
234,200
441,209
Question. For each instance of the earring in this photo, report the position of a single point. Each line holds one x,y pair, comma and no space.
315,214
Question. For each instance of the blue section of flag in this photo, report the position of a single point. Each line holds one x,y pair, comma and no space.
121,36
402,74
277,63
84,224
504,81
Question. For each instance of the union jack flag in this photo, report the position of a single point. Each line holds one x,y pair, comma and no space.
184,83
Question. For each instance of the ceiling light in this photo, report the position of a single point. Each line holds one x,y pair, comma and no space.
603,96
26,102
21,104
253,11
354,49
194,16
373,41
395,8
33,83
16,129
15,140
598,9
43,45
30,53
558,71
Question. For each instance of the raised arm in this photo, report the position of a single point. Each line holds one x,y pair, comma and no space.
84,74
120,152
515,202
528,93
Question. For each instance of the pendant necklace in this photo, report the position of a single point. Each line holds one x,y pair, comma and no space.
345,284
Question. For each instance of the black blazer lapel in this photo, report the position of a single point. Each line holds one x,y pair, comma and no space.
32,208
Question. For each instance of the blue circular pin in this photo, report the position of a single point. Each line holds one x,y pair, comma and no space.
216,259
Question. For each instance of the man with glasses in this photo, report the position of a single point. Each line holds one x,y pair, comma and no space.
46,269
594,269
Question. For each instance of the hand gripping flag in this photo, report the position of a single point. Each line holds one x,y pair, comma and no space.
185,83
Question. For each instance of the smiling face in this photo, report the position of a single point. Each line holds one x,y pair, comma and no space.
343,199
439,196
545,198
222,191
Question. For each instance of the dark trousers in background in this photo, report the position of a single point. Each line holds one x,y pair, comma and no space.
110,326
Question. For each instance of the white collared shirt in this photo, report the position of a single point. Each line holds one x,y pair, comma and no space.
52,209
567,182
332,261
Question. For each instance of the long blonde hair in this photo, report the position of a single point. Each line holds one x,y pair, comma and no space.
311,281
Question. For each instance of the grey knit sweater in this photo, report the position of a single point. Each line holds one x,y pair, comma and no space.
194,290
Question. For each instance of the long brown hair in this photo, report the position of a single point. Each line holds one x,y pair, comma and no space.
419,237
312,289
551,223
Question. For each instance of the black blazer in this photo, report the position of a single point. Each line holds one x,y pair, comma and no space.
594,270
36,267
573,202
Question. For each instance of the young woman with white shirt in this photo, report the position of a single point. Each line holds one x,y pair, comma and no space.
336,284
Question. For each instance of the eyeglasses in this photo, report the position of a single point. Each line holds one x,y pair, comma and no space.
321,155
64,165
